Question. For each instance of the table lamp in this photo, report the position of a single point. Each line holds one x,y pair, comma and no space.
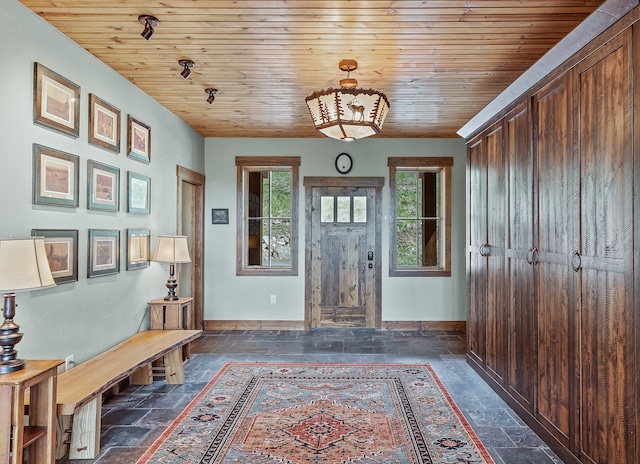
172,249
23,267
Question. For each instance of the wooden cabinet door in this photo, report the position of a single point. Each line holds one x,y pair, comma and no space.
554,231
603,83
495,255
476,240
521,300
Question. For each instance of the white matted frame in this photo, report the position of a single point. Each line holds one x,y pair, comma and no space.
55,177
104,252
104,124
56,101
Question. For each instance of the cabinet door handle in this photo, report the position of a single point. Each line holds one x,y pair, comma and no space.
576,261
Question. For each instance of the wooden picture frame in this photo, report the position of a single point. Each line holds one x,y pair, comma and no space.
103,257
138,193
220,216
138,140
55,177
104,124
56,101
61,246
138,248
103,191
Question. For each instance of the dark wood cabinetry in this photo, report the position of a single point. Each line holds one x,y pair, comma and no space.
550,253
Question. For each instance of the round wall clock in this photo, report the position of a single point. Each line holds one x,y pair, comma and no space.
344,163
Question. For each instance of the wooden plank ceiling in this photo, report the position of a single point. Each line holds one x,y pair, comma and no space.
438,61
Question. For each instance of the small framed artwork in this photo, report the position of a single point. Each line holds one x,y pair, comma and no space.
55,177
104,252
103,191
138,246
138,193
56,102
220,216
138,140
61,246
104,124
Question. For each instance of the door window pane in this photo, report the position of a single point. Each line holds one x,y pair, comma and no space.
326,209
359,209
344,209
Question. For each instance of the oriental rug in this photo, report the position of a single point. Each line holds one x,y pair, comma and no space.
299,413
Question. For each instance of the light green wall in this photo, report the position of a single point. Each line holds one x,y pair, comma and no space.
229,297
88,316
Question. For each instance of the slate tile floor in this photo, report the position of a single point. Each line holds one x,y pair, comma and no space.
135,417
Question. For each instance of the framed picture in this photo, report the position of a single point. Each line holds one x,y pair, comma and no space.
138,140
104,252
103,191
62,253
55,177
104,124
138,193
220,216
56,101
138,246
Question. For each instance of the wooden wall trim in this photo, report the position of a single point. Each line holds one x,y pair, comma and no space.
601,19
448,326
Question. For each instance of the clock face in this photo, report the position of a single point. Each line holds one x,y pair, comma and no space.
343,163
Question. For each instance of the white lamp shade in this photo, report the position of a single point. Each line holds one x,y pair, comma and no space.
172,249
24,265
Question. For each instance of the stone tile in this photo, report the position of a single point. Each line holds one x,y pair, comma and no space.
524,456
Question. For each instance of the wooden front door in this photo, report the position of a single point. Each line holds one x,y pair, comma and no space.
343,252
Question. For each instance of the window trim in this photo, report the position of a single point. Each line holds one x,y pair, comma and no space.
417,163
268,164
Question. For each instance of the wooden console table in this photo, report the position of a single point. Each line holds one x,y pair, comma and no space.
36,440
172,315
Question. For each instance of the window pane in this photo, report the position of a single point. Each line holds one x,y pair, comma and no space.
276,243
326,209
344,209
406,243
254,242
281,194
430,247
430,205
406,194
359,209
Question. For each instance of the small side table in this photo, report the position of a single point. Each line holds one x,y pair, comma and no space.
172,315
37,440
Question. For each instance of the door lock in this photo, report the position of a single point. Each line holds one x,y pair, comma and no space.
370,256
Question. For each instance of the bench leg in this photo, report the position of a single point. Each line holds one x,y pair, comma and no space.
63,431
143,376
173,367
85,432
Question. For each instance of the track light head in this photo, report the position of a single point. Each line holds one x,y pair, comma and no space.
187,65
149,23
212,94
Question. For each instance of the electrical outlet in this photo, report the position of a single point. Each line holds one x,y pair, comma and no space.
69,363
273,299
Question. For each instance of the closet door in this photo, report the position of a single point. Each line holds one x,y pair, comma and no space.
604,256
520,270
476,242
556,325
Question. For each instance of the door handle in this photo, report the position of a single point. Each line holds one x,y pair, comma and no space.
370,256
576,261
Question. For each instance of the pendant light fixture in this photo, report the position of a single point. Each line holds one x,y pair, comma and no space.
348,113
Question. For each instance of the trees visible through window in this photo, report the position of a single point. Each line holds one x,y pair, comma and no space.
420,216
267,215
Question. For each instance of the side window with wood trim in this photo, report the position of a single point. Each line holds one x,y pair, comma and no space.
267,215
420,219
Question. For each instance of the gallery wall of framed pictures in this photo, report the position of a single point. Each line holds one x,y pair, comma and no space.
59,176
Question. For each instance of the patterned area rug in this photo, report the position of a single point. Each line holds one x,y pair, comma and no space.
298,413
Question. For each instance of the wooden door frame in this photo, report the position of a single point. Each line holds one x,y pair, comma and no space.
365,182
197,274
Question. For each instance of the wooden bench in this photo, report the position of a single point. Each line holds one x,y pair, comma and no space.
79,396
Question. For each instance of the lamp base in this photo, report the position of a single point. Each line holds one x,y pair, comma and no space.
172,284
10,336
12,366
